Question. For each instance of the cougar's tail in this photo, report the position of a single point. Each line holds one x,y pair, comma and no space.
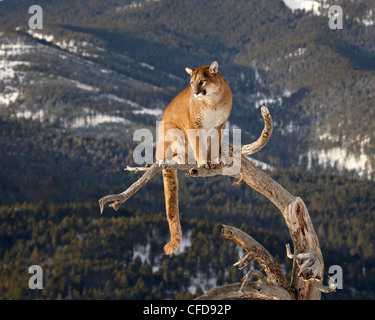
171,205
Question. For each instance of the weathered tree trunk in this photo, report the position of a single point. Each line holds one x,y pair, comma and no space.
308,264
301,230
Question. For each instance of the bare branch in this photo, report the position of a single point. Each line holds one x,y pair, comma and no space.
321,287
245,261
119,199
308,262
309,268
149,172
308,265
257,252
297,219
259,289
264,137
137,169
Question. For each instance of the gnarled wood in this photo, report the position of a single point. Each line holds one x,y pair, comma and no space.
260,289
254,147
258,253
298,221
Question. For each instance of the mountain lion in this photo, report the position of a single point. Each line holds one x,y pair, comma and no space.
203,106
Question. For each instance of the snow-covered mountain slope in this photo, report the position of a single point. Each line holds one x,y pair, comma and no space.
67,83
107,70
307,5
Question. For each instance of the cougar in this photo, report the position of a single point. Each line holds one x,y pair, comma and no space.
204,105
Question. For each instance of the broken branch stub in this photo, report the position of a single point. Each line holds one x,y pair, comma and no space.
257,252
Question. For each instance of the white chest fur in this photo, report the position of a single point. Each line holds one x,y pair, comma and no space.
210,119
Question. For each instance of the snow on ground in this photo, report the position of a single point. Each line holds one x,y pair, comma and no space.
143,252
326,136
148,66
260,164
367,20
11,49
289,128
27,114
201,279
133,5
297,53
340,157
83,86
307,5
263,100
8,69
139,109
8,98
344,160
94,119
40,36
91,118
153,112
70,45
8,72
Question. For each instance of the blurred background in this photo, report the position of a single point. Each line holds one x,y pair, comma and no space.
73,93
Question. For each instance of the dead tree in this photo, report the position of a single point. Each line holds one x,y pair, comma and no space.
308,265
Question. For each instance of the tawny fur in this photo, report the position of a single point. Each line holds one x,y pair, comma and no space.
205,104
171,204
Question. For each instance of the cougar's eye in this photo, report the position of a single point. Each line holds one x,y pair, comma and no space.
202,82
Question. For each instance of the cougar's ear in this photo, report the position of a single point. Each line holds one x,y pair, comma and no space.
214,67
189,71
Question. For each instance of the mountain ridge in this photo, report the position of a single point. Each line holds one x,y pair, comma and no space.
323,72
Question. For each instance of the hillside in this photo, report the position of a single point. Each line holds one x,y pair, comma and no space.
50,181
124,61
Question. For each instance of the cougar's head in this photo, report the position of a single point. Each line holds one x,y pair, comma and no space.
204,81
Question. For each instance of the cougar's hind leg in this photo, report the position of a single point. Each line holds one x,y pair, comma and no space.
171,205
